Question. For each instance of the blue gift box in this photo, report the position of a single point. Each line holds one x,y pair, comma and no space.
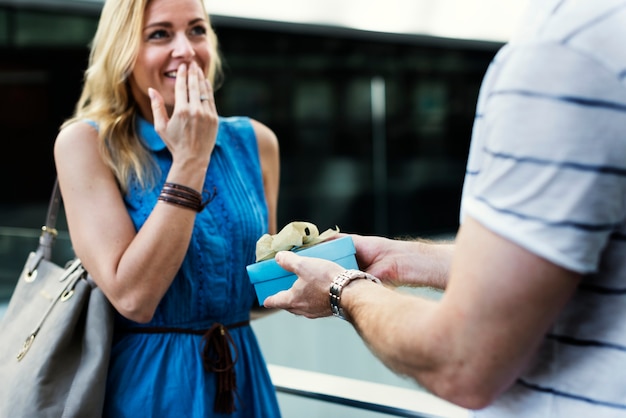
269,278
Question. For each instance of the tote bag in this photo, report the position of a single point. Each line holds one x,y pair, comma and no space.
55,337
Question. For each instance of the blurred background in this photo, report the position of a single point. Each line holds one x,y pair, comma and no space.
372,103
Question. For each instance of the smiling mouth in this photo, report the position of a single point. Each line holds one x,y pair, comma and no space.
170,74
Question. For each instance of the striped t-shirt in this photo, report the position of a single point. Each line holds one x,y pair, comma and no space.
547,170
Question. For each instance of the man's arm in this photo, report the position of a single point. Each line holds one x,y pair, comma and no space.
466,348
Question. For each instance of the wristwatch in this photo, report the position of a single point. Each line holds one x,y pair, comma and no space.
341,281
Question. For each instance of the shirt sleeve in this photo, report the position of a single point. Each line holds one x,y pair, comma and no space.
547,166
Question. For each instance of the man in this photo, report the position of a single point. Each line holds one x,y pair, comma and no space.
532,322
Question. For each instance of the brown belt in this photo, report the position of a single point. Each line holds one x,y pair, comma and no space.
216,357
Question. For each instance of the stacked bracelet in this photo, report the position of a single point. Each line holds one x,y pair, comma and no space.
184,196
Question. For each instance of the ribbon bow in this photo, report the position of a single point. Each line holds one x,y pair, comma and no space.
294,236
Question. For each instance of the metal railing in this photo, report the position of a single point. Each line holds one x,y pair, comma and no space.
369,396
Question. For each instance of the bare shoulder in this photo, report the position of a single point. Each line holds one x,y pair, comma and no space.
78,159
77,137
266,138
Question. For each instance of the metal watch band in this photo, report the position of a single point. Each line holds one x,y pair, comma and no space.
341,281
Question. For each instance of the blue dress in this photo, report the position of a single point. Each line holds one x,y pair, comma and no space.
159,375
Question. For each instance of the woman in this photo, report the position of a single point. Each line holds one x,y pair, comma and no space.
165,201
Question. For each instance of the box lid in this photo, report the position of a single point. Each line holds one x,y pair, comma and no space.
329,250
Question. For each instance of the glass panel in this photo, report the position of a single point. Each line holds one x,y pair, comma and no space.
4,27
358,94
313,112
251,95
43,29
430,107
313,101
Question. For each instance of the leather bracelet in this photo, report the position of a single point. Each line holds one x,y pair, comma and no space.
180,202
341,281
184,196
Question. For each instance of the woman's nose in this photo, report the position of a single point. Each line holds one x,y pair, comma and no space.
183,47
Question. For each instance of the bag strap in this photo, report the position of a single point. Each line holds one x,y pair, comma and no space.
48,231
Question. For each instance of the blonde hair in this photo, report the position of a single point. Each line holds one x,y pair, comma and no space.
106,96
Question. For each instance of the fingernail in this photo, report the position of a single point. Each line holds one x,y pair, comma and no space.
151,93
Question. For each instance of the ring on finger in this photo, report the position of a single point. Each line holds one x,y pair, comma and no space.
204,98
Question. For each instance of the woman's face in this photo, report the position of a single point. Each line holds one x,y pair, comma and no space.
174,32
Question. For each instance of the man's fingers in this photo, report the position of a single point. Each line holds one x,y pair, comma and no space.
277,300
287,260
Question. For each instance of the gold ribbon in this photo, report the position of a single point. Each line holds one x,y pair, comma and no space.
294,236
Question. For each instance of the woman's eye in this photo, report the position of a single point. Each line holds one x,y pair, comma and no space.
158,34
198,30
